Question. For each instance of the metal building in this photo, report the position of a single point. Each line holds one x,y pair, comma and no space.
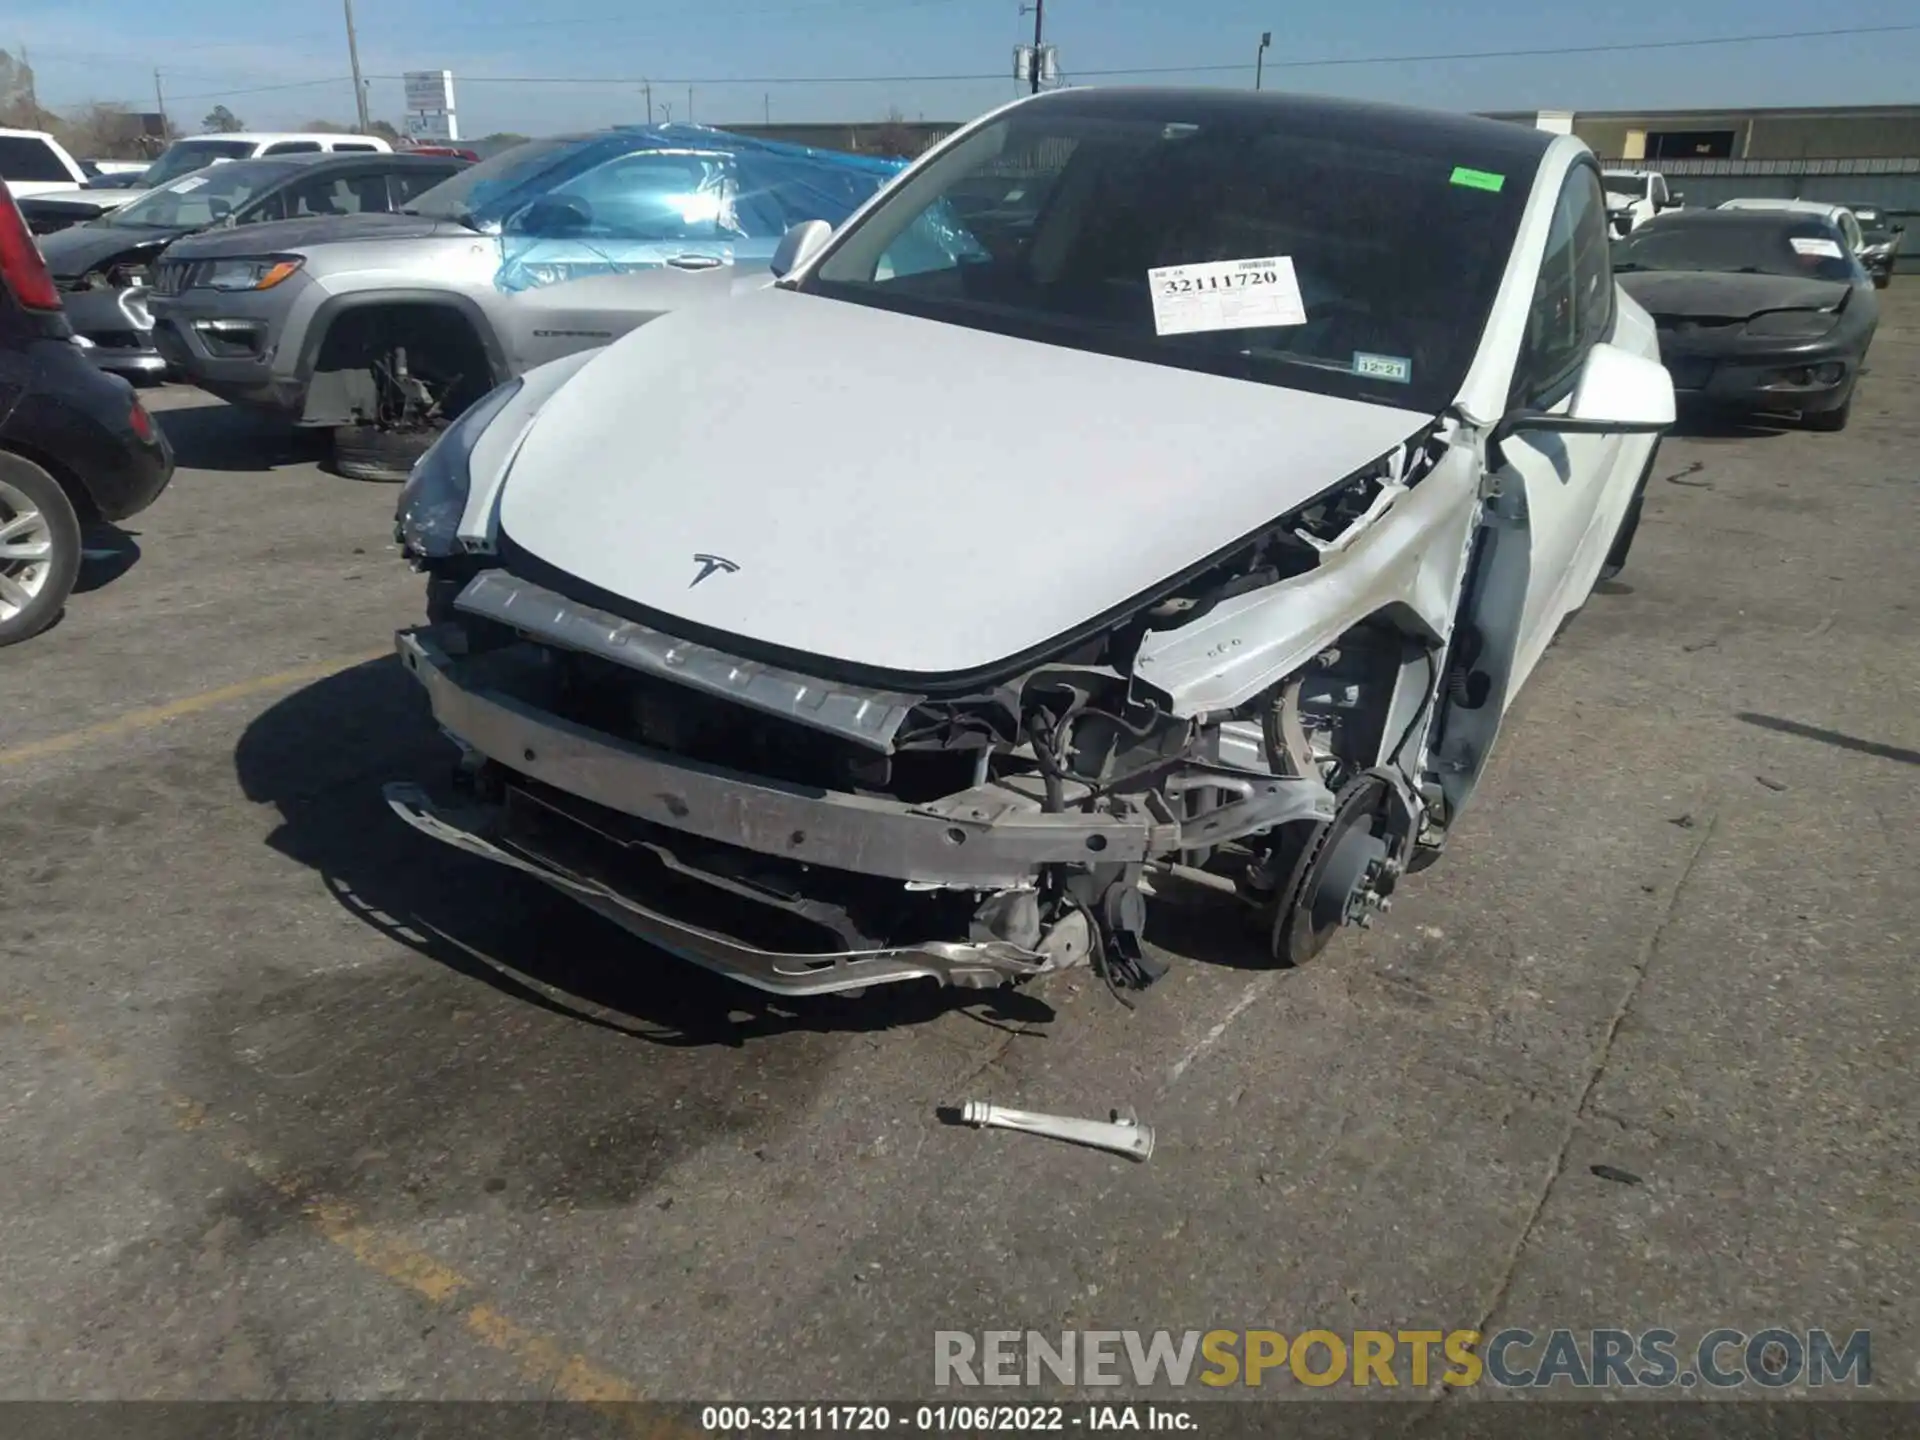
1859,155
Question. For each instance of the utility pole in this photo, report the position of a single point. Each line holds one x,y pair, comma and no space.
1260,56
689,104
1039,20
359,85
160,104
766,106
647,85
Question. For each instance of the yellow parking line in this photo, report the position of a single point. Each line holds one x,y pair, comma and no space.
146,719
544,1362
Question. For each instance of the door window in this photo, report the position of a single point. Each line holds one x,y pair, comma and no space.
352,145
1573,298
335,195
650,196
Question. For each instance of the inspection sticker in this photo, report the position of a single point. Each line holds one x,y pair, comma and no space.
1383,367
1225,295
1477,179
1815,245
192,182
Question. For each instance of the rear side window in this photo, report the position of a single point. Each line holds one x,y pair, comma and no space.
353,145
416,180
23,157
293,147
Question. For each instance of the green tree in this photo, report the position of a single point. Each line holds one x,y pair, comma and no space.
221,120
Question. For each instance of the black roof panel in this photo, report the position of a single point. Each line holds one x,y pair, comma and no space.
1476,140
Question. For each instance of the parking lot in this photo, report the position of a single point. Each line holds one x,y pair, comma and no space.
298,1104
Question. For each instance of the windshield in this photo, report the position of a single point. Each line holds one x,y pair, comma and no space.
1621,182
183,157
203,198
1352,259
459,198
1803,247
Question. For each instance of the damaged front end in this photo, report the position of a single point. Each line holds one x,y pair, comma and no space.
1253,732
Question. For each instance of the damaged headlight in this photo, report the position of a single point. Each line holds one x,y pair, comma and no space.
427,521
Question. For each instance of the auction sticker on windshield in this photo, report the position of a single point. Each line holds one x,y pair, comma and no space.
192,182
1225,295
1815,245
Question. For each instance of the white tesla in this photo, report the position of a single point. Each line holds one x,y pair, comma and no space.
1148,487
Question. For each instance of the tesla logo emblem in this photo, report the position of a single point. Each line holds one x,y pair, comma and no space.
708,565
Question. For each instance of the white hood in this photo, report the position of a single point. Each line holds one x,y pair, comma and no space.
902,494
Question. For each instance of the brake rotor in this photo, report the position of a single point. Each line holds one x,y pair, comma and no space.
1332,875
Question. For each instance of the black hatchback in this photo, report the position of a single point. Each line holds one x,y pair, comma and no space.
102,266
75,445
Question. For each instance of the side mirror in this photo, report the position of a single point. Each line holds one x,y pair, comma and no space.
1676,198
1617,393
799,245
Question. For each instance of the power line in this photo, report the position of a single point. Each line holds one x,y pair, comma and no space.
1306,64
264,89
622,22
1402,59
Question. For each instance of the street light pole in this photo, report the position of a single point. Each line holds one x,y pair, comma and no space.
1260,57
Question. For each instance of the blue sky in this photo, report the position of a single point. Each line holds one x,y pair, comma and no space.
106,49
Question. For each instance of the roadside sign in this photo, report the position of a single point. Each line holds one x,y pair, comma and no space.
429,89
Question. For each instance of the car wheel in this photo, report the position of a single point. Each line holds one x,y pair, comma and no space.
1830,420
366,452
1616,560
39,549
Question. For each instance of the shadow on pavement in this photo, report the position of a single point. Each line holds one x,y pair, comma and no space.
108,553
226,437
1838,739
1698,420
321,755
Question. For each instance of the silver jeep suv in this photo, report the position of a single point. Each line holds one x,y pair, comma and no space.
385,327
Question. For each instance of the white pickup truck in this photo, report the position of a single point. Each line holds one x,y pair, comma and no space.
1635,197
32,162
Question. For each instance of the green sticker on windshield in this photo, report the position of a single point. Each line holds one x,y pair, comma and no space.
1477,179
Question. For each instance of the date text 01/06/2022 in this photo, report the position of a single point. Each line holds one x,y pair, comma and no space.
942,1419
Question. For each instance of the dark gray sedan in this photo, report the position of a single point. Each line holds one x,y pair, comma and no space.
102,267
1757,309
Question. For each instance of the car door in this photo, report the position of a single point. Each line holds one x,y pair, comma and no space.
1563,481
